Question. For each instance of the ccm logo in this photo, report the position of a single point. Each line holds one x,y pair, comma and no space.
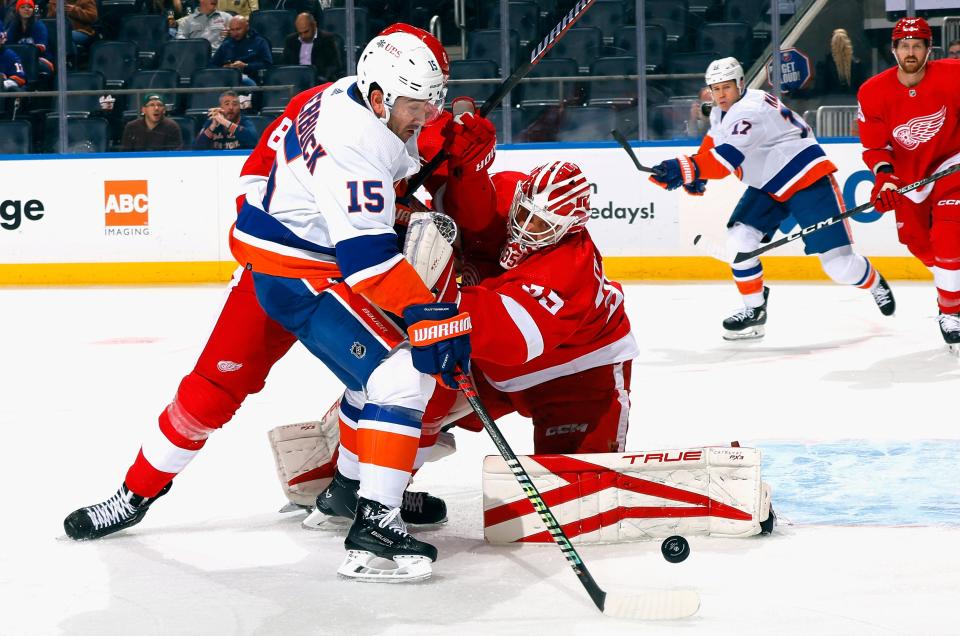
566,428
949,202
682,456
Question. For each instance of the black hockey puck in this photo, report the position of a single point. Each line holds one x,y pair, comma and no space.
675,549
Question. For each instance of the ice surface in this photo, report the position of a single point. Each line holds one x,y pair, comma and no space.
854,412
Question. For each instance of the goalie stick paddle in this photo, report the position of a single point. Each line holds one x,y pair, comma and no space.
508,84
728,256
626,146
661,605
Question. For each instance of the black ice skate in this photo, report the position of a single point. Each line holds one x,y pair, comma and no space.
883,296
950,328
337,506
121,511
377,534
748,323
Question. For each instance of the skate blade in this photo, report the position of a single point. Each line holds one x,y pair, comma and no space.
317,520
409,568
954,349
292,507
753,333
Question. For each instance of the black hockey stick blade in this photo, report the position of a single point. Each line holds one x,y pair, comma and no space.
833,220
626,146
660,605
536,54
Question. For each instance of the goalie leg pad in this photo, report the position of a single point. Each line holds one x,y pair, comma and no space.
305,456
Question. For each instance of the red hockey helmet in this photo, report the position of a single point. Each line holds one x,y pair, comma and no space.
552,201
912,28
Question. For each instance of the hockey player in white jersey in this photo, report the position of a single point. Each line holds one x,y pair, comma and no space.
773,151
327,266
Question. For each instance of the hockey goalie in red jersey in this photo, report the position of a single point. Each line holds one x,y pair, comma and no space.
910,128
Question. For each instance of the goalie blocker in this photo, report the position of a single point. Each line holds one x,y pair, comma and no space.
616,497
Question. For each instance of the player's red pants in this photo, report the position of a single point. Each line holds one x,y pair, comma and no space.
244,346
587,412
931,231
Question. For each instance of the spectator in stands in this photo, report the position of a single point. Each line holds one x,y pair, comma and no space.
311,47
839,73
26,28
239,7
225,128
699,122
245,50
83,18
207,23
152,131
12,78
953,50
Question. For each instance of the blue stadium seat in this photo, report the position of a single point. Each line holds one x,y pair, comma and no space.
619,92
275,25
200,103
671,15
189,129
524,19
583,44
749,11
733,38
117,61
471,69
83,135
259,122
625,43
84,105
485,45
302,78
548,93
148,32
587,123
152,82
516,124
335,21
186,57
689,63
15,137
606,15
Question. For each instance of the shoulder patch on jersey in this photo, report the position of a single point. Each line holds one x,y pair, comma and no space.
920,129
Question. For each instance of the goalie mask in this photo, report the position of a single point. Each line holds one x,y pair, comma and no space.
550,203
404,61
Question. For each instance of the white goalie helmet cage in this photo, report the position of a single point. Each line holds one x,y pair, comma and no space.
723,70
553,201
404,61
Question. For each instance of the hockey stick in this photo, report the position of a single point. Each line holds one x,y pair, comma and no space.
626,146
508,84
663,605
728,256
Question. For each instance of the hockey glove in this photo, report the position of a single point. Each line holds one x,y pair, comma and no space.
697,188
470,141
673,173
884,195
440,337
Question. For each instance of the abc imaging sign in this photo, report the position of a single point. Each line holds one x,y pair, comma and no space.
126,208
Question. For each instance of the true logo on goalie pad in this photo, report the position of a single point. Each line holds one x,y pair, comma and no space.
613,497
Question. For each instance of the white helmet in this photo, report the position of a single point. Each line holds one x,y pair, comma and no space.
724,70
404,61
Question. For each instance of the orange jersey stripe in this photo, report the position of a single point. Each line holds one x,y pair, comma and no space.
816,173
395,289
754,286
388,450
348,437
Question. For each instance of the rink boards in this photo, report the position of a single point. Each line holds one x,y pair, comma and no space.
164,217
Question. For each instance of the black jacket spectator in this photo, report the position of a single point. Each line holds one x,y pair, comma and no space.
324,56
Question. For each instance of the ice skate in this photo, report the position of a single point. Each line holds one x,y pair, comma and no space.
379,536
122,510
337,506
883,296
748,323
950,328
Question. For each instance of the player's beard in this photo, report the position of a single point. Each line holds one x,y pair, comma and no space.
916,65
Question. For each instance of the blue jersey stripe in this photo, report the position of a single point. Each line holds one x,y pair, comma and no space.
256,222
744,273
291,144
730,154
794,167
392,415
367,250
349,410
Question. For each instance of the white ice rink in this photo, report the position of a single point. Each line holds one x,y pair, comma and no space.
856,415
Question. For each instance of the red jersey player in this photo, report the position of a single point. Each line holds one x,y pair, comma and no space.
910,128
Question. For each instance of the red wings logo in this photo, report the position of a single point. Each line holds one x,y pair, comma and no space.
920,129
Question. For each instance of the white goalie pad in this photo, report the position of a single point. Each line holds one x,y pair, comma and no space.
616,497
304,455
429,244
